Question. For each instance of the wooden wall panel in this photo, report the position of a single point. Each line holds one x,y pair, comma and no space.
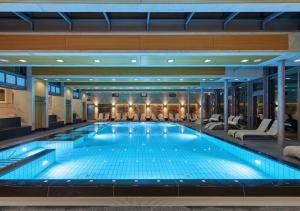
143,42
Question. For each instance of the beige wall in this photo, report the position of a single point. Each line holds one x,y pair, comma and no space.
7,108
57,107
23,105
77,108
41,104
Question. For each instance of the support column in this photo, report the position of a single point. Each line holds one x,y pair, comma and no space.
202,106
281,102
188,105
298,105
225,104
250,102
266,99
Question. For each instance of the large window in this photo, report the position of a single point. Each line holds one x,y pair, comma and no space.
12,80
54,89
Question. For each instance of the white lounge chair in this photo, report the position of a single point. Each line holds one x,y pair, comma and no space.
101,117
292,151
193,117
272,132
143,117
215,118
106,116
177,117
118,117
161,117
213,125
171,117
153,118
124,117
135,117
235,121
261,128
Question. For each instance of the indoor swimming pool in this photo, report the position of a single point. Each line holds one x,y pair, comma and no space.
138,151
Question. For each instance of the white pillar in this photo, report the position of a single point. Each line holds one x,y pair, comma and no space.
202,106
298,105
225,104
281,102
188,105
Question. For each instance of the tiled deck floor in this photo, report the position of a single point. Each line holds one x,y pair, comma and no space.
269,147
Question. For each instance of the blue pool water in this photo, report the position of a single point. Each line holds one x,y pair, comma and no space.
144,151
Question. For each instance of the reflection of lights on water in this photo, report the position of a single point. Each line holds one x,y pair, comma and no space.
24,149
45,162
182,130
165,131
258,162
148,131
113,131
130,130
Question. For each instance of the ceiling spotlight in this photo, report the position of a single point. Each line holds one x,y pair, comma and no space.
170,60
68,79
45,79
113,79
203,79
297,60
236,79
136,79
57,79
244,60
133,61
97,60
207,60
91,79
60,60
22,60
181,79
158,79
211,79
3,60
257,60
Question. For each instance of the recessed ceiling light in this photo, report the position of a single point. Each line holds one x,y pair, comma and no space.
211,79
97,60
3,60
203,79
91,79
68,79
136,79
170,60
60,60
181,79
133,60
244,60
288,78
207,60
57,79
113,79
257,60
158,79
45,79
22,60
297,60
236,79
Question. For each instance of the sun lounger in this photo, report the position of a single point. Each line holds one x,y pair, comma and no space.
171,117
262,128
106,116
161,117
135,117
292,151
271,133
118,117
124,117
215,118
143,117
101,117
193,117
177,117
213,125
153,117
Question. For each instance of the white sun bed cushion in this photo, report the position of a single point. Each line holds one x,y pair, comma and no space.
292,151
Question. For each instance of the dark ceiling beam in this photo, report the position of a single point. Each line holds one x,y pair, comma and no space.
188,20
107,19
229,18
25,18
270,18
67,19
148,20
